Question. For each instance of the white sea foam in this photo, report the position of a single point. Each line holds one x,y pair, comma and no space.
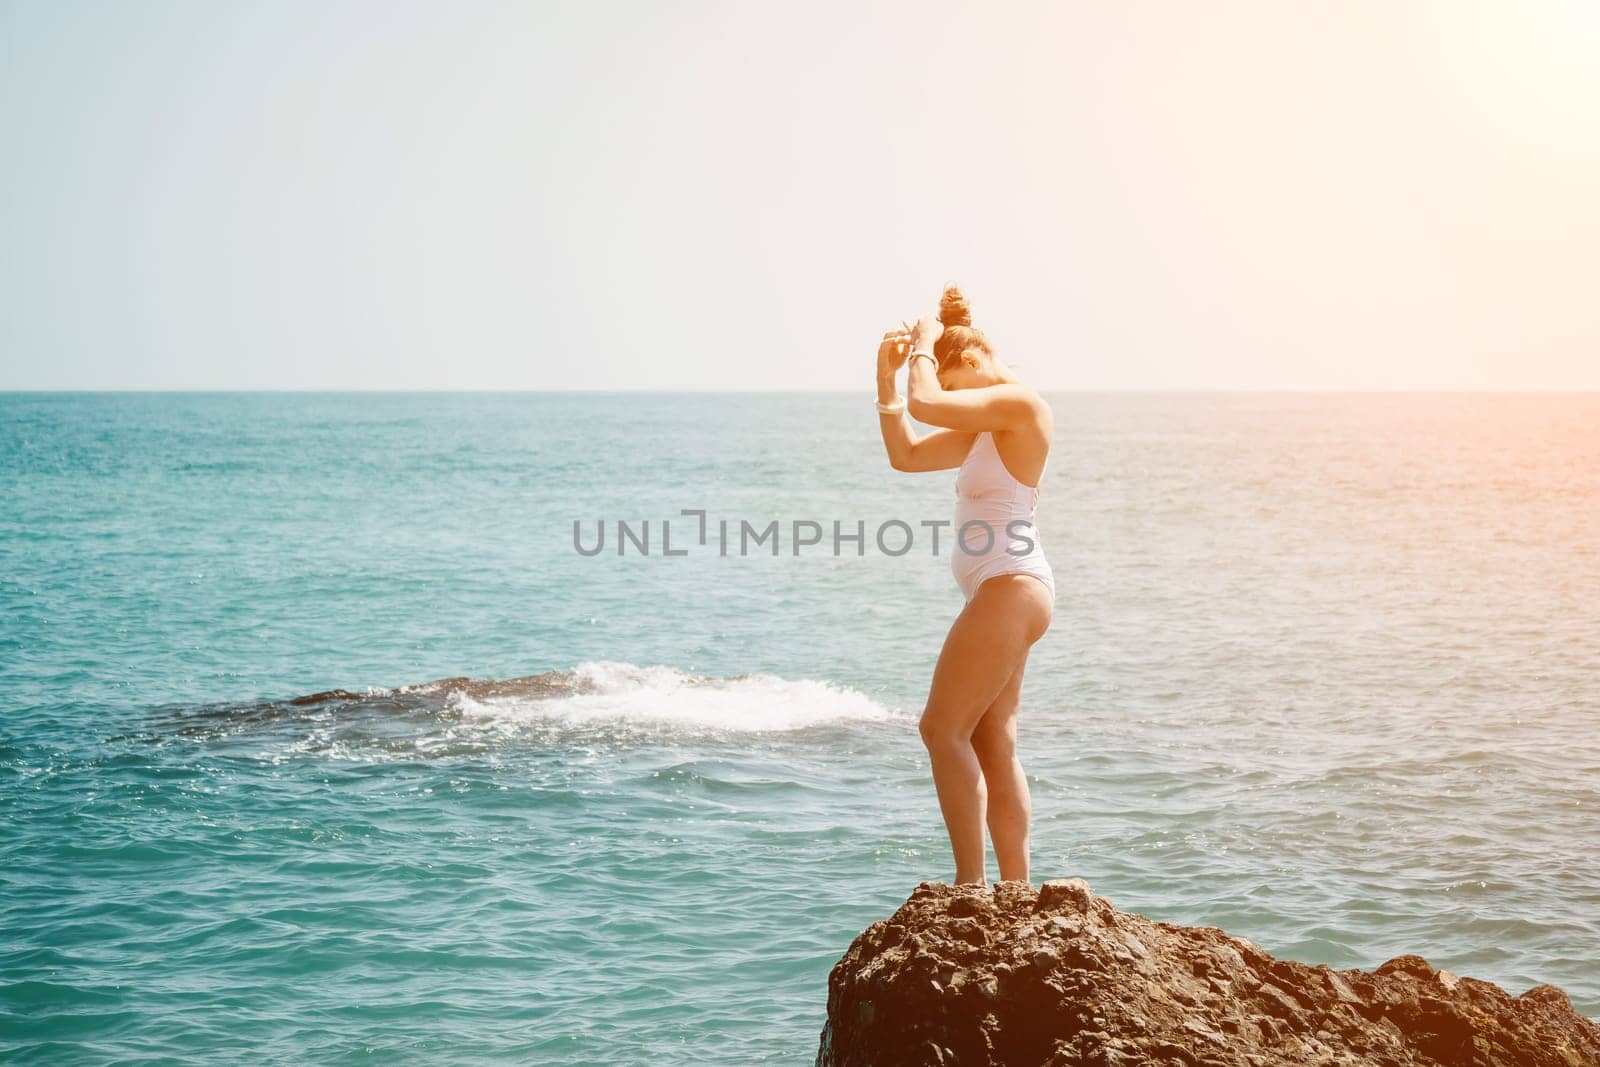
610,691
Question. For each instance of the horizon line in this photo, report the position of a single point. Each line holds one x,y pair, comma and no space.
1100,391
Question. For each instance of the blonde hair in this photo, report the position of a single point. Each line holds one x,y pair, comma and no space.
959,333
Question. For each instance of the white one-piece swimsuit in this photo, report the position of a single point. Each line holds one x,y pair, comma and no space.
994,525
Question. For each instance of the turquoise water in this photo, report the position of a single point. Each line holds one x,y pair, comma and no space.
1325,671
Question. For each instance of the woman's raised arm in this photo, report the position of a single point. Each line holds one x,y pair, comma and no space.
995,408
937,451
992,408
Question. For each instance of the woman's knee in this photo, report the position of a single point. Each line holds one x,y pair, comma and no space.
939,732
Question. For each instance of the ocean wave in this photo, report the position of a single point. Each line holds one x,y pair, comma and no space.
595,701
606,691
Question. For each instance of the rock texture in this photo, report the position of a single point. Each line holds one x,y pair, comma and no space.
972,976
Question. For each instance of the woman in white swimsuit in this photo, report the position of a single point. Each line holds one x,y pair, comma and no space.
997,431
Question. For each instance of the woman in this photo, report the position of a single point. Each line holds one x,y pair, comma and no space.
997,431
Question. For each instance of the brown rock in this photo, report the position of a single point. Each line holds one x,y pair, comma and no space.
1066,894
1058,977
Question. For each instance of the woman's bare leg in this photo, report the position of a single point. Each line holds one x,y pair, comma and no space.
1009,806
986,645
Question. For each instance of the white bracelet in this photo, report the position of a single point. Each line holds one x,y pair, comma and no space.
929,355
893,407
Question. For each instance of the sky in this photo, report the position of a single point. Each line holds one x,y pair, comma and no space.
1238,194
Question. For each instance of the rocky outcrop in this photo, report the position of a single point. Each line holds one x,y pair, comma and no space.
1011,975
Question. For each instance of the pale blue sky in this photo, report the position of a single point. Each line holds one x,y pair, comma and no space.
738,195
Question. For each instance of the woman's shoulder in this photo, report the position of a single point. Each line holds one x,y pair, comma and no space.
1044,418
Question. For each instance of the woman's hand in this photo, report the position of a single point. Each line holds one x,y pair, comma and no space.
893,350
927,330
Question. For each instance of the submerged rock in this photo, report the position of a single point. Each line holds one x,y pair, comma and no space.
967,975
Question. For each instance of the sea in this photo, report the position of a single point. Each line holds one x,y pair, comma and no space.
581,728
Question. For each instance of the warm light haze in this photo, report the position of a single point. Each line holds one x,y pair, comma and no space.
1248,195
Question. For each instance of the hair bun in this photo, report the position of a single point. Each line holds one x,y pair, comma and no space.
953,307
